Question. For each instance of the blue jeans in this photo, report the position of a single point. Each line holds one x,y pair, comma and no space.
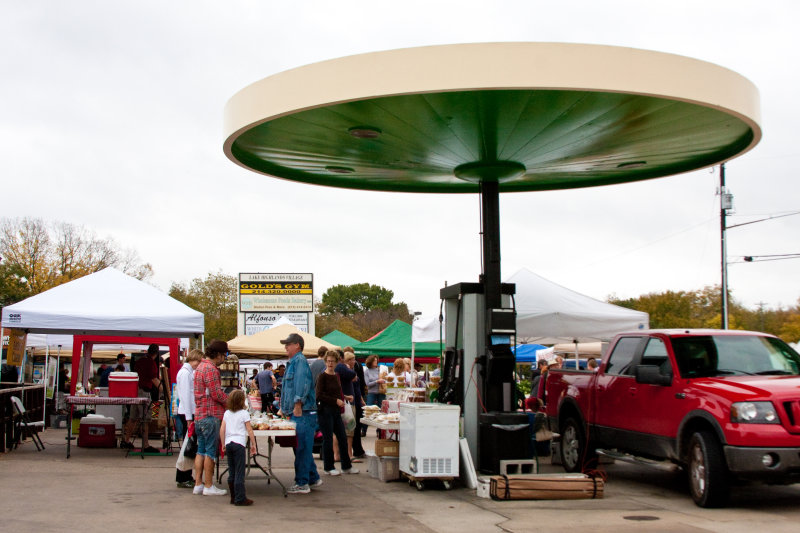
305,469
208,436
375,398
180,426
330,423
237,457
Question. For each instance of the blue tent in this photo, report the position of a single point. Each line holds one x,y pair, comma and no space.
526,353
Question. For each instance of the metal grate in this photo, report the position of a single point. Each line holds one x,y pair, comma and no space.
437,465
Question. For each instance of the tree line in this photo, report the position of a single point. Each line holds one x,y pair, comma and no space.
36,255
702,308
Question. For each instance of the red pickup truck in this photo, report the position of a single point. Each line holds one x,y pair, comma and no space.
723,405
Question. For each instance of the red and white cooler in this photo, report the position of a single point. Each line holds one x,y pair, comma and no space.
97,432
123,384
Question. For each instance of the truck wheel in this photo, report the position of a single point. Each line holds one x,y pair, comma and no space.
573,445
708,474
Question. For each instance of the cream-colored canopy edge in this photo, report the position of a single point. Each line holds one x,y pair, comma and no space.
493,66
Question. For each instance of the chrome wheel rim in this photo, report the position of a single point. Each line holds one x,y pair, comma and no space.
571,445
697,470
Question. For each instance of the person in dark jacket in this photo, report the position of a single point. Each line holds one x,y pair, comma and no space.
536,375
329,399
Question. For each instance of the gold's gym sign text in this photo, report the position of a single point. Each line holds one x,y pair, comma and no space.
260,292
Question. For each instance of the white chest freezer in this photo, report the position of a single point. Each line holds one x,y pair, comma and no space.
429,440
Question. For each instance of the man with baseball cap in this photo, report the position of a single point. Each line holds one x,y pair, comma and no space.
299,400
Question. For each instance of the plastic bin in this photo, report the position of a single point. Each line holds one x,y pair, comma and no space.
388,468
502,436
123,384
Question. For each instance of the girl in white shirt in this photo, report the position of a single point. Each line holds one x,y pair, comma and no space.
233,432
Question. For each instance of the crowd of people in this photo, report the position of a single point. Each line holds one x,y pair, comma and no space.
313,394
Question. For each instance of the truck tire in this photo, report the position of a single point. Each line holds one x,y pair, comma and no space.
708,473
573,446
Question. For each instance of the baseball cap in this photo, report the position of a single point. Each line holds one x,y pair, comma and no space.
294,337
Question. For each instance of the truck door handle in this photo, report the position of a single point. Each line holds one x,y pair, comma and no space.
632,390
680,395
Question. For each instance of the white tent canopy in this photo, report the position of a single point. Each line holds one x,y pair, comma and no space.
40,342
548,313
104,303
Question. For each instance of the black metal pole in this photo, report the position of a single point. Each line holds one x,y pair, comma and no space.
490,215
724,249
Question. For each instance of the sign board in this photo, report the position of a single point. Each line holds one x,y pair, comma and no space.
259,292
16,346
257,322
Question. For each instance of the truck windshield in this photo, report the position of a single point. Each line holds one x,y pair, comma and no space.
714,355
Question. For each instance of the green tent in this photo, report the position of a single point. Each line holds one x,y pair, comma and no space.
337,338
395,341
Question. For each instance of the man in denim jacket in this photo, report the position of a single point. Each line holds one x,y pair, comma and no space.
298,399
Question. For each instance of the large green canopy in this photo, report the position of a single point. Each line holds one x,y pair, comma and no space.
340,339
528,116
395,341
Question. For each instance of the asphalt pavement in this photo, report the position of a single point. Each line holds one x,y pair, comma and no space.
102,490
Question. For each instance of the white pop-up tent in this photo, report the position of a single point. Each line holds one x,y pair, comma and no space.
548,313
107,307
104,303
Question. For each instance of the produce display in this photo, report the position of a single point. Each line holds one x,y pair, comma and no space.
265,421
383,418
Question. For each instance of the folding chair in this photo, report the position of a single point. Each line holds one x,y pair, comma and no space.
25,425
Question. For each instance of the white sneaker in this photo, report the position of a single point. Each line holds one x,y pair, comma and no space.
317,483
299,489
214,491
333,472
350,470
198,489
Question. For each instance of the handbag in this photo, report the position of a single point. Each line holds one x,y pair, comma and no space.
190,442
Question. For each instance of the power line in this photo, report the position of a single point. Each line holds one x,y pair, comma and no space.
764,219
772,257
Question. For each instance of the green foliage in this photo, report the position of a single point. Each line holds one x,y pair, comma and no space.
357,298
41,255
215,297
360,310
362,326
703,309
12,284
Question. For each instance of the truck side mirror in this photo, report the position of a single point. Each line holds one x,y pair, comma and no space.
651,375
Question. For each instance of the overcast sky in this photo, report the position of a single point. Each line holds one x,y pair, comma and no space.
111,117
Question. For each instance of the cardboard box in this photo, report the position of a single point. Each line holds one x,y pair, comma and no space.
388,468
387,448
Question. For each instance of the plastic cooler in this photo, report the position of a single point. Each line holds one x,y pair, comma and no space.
97,432
123,384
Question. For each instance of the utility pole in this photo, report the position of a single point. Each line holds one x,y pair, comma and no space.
725,203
